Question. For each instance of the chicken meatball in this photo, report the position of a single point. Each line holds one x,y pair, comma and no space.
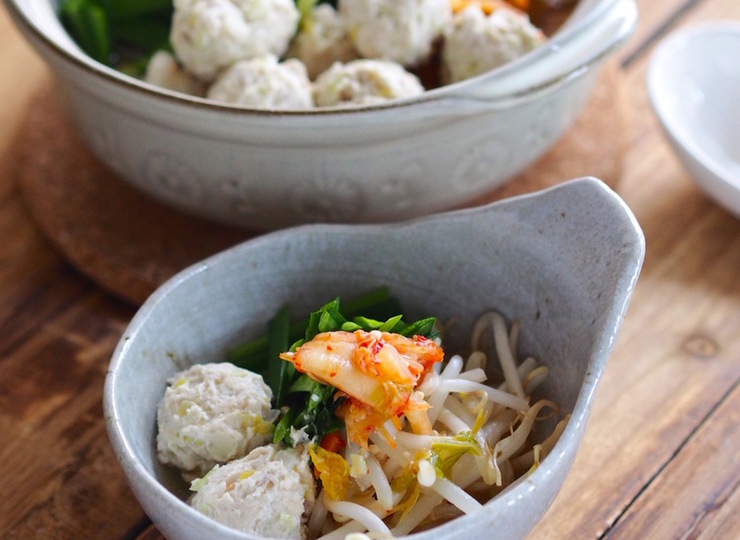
212,413
268,493
475,43
264,83
364,82
321,41
164,71
400,30
210,35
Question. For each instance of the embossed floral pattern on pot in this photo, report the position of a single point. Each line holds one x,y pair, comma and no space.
172,178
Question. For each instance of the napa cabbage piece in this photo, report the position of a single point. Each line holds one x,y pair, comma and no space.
308,407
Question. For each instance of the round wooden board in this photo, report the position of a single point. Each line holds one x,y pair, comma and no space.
129,243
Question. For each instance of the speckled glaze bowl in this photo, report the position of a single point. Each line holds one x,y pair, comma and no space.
564,262
374,164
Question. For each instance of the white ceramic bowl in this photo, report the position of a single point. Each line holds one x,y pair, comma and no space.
564,262
388,162
694,84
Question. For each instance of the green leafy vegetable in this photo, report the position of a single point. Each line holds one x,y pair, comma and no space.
376,303
88,24
122,10
309,405
118,31
280,372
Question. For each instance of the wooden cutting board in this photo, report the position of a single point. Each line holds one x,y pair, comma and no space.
129,243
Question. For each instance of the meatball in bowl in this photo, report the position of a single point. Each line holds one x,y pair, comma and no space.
271,113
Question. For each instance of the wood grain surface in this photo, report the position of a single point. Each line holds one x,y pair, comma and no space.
660,457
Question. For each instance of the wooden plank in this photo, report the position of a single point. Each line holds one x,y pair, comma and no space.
650,401
655,412
23,72
707,468
55,440
667,371
656,18
661,381
57,335
677,197
724,522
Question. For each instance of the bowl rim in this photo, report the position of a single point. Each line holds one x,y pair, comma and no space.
571,436
566,34
674,128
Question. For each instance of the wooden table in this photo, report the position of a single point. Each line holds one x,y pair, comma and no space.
661,456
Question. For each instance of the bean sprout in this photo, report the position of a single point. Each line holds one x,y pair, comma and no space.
470,439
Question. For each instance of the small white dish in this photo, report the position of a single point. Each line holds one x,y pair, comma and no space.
694,85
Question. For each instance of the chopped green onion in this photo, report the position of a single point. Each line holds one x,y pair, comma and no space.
88,23
422,327
375,303
143,35
280,373
391,324
282,428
